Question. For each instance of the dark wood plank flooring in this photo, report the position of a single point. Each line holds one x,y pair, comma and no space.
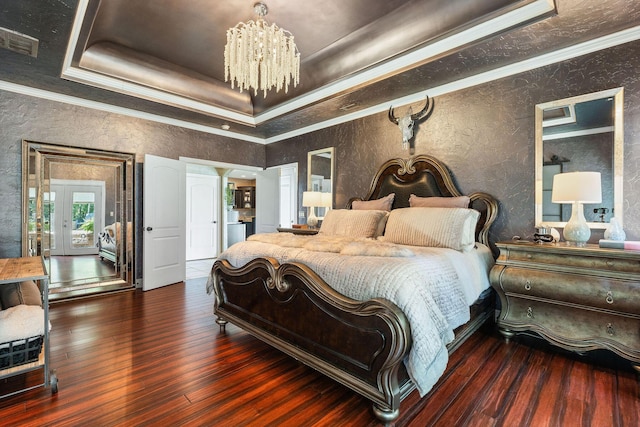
157,358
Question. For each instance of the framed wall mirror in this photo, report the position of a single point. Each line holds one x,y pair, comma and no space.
75,202
320,176
582,133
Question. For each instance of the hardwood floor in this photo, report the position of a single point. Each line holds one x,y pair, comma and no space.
157,358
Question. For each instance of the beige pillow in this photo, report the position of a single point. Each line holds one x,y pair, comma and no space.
382,204
452,228
439,202
26,293
353,223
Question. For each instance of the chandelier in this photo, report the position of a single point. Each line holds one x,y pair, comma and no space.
260,56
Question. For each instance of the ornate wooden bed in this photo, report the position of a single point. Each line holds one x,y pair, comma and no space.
361,344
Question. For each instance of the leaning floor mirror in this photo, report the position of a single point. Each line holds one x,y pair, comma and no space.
75,203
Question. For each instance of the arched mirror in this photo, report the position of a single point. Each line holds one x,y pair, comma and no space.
77,215
320,167
582,133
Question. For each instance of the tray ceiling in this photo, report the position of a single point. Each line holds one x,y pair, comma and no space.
172,52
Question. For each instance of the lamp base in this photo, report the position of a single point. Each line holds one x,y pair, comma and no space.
577,231
312,221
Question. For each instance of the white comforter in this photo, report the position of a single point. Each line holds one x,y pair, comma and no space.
433,287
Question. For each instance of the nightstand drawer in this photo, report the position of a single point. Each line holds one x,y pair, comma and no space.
575,327
594,291
594,259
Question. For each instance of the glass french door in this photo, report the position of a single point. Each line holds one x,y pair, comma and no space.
75,218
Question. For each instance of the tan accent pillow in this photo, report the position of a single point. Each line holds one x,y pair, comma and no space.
26,293
439,202
353,223
452,228
382,204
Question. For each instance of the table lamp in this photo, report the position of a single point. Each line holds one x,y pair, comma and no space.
311,199
577,188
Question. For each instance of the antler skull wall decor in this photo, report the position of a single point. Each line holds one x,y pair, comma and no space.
406,122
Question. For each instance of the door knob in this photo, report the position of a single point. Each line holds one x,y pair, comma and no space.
149,228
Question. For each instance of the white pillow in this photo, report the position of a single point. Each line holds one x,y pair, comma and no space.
452,228
353,223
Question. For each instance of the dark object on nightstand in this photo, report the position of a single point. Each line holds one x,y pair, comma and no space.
577,298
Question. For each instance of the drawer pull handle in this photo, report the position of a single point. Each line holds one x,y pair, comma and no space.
527,285
609,298
529,256
530,312
610,329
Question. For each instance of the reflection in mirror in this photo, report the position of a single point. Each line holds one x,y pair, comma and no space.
320,166
74,202
583,133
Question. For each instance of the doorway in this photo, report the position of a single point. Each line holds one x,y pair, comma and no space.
203,200
276,202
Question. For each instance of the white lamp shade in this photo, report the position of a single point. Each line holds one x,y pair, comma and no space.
582,187
311,199
327,200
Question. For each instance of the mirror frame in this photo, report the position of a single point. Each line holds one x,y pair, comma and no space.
618,152
310,154
44,154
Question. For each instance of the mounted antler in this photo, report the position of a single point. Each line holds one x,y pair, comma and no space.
406,122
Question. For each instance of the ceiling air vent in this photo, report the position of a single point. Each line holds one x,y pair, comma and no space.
18,42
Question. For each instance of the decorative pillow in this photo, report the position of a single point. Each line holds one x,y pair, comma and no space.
382,204
354,223
452,228
26,293
439,202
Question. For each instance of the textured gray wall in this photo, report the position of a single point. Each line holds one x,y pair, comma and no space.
485,135
34,119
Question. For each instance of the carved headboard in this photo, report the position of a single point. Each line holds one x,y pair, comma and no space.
426,176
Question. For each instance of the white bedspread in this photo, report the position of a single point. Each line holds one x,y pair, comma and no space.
433,287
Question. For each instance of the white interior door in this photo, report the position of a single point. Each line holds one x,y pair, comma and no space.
288,195
267,201
164,222
203,198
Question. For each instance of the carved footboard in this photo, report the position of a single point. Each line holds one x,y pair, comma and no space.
359,344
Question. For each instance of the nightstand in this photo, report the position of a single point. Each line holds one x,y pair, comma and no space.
302,231
577,298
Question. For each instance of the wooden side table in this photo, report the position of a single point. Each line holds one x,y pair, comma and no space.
577,298
19,270
299,231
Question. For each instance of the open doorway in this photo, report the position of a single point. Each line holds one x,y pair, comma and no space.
255,200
